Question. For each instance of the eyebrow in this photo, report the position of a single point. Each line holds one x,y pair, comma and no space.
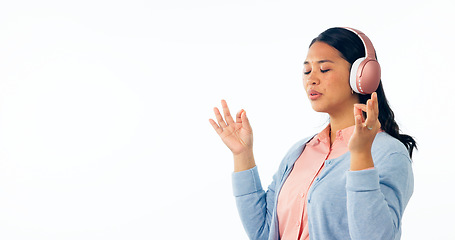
321,61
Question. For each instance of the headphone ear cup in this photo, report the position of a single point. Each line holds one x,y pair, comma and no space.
365,75
353,75
370,76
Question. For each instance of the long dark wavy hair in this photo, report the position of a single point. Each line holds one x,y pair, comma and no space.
351,48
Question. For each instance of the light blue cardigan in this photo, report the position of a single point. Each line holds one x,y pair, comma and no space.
342,204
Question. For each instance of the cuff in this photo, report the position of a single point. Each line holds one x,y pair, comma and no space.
246,182
363,180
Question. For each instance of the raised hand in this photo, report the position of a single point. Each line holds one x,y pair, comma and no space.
237,135
364,133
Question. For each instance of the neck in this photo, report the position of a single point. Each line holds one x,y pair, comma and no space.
338,123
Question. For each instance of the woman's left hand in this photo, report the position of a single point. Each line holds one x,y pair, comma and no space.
364,132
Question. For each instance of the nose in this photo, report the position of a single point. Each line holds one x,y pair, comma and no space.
311,78
313,81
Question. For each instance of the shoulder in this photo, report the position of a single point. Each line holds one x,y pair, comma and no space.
386,147
385,142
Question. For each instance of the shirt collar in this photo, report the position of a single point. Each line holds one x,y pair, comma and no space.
342,135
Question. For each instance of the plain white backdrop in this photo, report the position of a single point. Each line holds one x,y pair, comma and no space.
104,109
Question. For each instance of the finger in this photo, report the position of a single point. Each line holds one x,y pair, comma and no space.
370,118
362,107
238,118
227,113
376,108
219,118
376,103
358,110
358,123
245,122
372,114
216,127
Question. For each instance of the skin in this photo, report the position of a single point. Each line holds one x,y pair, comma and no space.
326,72
238,136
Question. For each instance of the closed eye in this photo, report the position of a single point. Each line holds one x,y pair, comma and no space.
322,71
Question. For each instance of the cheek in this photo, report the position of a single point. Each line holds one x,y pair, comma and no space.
304,82
340,83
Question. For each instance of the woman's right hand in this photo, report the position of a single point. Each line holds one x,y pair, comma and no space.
238,135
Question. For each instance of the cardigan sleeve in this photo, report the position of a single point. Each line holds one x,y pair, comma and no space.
376,198
255,206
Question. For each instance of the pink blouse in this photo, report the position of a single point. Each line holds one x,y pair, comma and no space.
291,207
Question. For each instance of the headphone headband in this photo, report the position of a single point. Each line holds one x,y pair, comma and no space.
365,72
367,44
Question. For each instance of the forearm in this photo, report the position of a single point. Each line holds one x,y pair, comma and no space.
252,203
377,198
370,215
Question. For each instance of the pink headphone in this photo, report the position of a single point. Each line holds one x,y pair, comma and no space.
365,71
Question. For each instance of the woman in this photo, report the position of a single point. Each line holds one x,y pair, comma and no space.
353,180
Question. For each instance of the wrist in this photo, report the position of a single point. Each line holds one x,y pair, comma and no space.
361,160
244,161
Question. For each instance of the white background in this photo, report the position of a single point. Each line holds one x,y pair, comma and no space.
104,109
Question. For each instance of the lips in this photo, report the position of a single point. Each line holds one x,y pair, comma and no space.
313,95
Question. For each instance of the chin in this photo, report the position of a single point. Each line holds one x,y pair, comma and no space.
318,108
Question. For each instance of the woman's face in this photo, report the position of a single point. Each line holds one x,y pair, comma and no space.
326,80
